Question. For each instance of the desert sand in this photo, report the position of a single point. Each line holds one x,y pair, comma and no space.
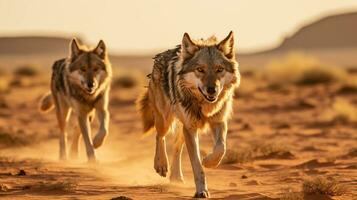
278,138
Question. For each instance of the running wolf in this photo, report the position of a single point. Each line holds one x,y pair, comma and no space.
192,84
81,83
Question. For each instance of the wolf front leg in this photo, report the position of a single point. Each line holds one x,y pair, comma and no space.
219,135
103,116
62,112
192,144
75,143
176,175
161,163
84,125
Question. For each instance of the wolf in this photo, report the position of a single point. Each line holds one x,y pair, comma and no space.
191,86
81,83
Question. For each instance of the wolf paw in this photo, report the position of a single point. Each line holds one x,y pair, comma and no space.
202,194
161,166
213,159
208,162
98,140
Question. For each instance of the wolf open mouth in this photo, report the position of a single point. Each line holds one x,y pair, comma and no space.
89,91
208,98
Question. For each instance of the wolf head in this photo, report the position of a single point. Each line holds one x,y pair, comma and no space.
88,68
209,67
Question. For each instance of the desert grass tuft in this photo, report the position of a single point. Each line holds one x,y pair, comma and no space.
233,156
266,148
64,186
255,151
349,87
127,79
341,111
323,186
321,74
352,152
4,187
9,139
121,198
301,69
4,85
3,72
27,70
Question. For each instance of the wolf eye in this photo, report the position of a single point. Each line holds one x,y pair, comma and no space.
83,69
95,69
200,69
220,69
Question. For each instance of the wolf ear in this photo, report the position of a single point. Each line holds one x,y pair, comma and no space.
75,50
101,49
188,46
227,46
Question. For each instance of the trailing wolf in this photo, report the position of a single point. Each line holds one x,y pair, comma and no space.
81,83
192,84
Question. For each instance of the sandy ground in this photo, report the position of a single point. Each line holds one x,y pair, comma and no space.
287,125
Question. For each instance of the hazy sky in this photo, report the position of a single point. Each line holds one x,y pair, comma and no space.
143,26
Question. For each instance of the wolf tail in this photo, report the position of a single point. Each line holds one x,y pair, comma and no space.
46,103
146,112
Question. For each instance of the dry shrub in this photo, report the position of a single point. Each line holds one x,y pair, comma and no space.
127,79
2,72
352,152
349,87
15,138
4,80
63,186
4,85
8,139
341,111
233,156
27,70
265,148
4,187
246,88
352,69
323,186
125,82
256,151
316,188
121,198
301,69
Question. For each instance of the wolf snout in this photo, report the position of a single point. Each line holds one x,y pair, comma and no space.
211,90
91,84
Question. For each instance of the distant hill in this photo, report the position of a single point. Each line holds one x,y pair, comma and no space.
33,45
332,39
337,31
43,51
